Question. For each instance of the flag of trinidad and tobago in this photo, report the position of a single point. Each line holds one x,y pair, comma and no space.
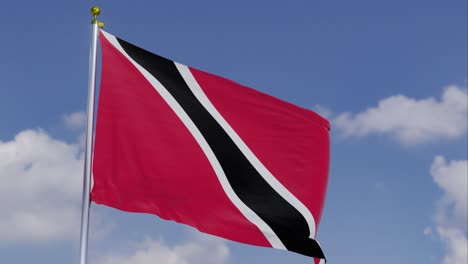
202,150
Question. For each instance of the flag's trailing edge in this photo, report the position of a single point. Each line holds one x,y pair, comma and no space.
202,150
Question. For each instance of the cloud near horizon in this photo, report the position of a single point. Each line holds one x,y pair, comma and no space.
411,121
41,188
450,216
198,250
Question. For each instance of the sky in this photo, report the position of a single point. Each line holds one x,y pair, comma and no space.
391,76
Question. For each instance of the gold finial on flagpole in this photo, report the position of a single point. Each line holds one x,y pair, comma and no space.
95,11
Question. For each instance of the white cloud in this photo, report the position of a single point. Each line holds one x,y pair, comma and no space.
324,111
452,177
456,245
450,216
75,120
196,251
40,190
410,120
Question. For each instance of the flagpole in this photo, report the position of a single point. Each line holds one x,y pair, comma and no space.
95,11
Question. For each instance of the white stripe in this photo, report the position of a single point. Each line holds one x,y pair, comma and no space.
322,261
245,210
258,165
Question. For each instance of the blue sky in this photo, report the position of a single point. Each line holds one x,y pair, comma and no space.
391,76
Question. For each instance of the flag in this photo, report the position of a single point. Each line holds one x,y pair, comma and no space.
205,151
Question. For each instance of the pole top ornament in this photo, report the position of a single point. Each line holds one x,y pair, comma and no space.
95,11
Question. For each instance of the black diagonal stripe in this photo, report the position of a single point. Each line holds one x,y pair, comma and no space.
285,220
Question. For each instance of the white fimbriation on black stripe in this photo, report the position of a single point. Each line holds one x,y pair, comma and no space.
263,171
246,176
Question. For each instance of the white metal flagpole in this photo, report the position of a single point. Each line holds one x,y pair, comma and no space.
95,11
